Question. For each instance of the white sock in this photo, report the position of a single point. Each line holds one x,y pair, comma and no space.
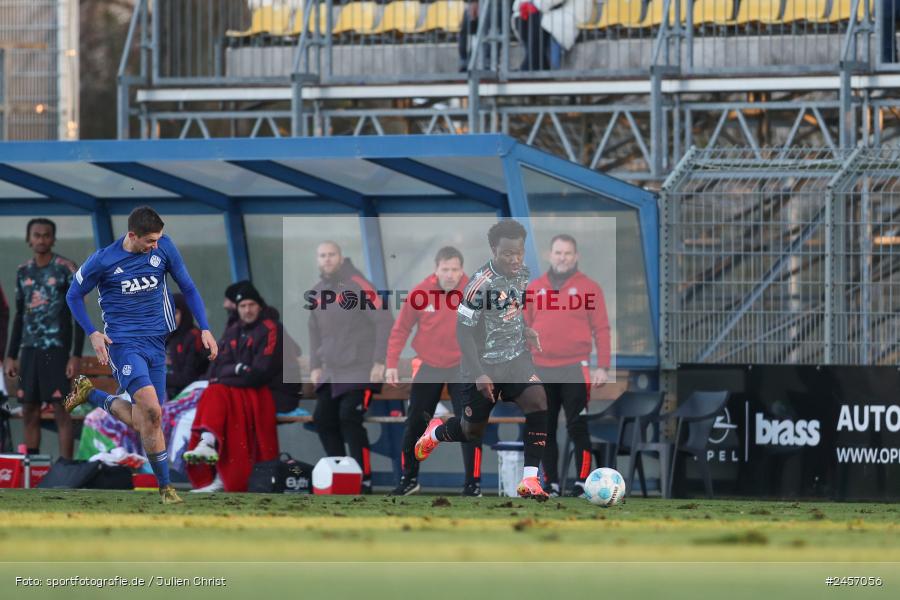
208,438
433,436
530,472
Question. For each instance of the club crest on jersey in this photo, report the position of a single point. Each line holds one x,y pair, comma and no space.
126,370
154,260
142,284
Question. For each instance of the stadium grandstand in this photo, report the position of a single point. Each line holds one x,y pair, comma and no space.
39,87
623,86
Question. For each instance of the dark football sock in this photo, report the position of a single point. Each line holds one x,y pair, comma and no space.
535,437
450,431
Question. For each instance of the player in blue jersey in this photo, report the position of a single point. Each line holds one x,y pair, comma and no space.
138,315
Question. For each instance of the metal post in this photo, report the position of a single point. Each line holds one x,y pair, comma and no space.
148,126
154,45
493,7
474,101
517,197
656,125
847,129
145,47
373,248
837,256
504,62
298,121
829,276
123,108
102,223
238,255
865,273
329,47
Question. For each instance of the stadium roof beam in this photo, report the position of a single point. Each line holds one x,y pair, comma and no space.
361,176
77,199
45,187
443,180
238,255
304,181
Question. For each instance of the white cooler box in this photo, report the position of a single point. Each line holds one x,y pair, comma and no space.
337,475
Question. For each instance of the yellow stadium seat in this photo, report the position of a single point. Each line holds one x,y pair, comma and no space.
357,17
444,15
617,13
804,10
323,20
757,11
265,20
401,16
655,16
840,11
712,11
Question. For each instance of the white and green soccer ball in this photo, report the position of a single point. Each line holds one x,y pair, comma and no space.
604,487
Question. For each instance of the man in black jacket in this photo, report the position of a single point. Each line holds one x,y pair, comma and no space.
348,333
250,357
186,359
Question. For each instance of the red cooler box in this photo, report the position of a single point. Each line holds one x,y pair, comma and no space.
337,475
12,469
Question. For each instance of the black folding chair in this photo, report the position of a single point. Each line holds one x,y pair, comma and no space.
632,412
699,412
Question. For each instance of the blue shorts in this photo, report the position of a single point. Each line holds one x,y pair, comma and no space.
139,362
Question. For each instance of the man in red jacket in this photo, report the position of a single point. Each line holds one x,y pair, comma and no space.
568,311
429,308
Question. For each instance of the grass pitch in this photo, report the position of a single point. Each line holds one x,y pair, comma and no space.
649,544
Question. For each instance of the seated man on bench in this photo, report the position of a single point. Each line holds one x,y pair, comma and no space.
235,427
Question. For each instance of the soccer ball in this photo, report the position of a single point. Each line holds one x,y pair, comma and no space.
604,487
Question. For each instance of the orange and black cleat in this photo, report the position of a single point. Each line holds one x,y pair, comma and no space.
530,487
425,446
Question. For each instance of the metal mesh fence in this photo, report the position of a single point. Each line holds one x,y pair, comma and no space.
774,256
29,93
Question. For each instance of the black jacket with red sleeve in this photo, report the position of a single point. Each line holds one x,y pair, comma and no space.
250,355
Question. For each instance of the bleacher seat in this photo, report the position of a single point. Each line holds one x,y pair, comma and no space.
401,16
265,20
655,15
444,15
757,11
323,19
617,13
357,17
712,12
840,11
811,11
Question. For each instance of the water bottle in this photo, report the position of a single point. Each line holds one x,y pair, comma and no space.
26,467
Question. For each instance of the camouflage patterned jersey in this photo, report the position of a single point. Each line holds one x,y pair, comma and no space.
494,302
42,318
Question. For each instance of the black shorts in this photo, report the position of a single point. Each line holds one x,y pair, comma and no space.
42,375
510,380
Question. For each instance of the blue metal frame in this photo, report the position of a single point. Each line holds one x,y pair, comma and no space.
442,179
303,181
45,187
239,257
518,208
396,153
644,202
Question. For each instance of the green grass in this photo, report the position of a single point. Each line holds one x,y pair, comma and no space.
648,544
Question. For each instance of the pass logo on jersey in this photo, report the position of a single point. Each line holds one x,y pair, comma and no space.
142,284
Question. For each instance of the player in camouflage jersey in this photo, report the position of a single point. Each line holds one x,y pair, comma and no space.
43,331
496,360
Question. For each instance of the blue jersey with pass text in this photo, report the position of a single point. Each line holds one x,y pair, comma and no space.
133,295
